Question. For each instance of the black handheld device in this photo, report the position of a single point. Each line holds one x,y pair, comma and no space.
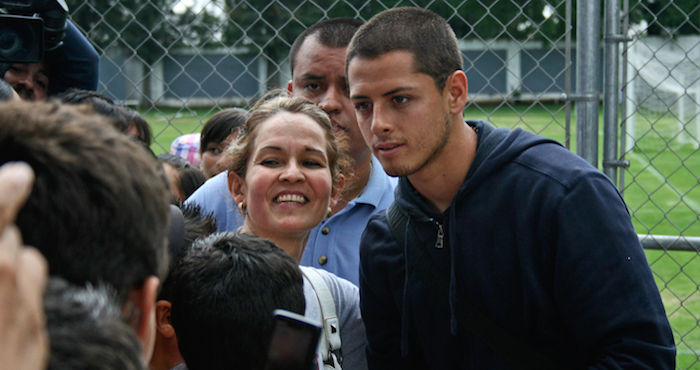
293,342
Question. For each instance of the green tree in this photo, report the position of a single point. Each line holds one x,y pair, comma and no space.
667,17
268,28
144,27
147,29
271,27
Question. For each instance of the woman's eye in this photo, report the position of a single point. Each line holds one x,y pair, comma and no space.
269,162
215,150
312,164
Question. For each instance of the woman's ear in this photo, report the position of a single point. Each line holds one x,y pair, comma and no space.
337,190
236,185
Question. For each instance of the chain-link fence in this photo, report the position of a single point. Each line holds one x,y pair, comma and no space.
660,113
181,61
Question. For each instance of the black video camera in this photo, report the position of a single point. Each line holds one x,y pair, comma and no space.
30,27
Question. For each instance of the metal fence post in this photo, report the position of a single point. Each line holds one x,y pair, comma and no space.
587,67
612,90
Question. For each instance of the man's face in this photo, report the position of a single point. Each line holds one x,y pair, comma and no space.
403,117
319,75
30,80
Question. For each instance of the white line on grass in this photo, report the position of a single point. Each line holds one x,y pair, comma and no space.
695,206
688,351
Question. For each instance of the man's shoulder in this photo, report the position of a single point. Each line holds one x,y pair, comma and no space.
532,155
377,239
212,190
214,197
557,163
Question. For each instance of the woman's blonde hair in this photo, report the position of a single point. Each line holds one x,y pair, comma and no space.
273,103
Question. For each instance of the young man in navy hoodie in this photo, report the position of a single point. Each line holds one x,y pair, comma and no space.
537,241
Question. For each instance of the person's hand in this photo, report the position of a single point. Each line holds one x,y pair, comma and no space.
23,274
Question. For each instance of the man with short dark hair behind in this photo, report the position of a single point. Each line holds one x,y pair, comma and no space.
317,60
516,253
98,210
224,290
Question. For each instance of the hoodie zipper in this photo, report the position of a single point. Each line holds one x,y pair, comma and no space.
439,242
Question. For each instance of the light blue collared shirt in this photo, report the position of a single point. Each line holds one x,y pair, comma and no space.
336,241
214,197
334,245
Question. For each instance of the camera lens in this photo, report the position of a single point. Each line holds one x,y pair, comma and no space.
12,45
21,39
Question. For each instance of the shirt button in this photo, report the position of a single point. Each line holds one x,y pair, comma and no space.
325,230
322,260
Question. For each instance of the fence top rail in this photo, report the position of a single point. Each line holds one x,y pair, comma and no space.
670,242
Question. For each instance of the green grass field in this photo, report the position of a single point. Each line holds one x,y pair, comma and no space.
661,188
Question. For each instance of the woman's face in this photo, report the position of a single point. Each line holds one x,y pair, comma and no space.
211,156
288,186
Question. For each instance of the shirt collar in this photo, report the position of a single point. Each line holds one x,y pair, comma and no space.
376,186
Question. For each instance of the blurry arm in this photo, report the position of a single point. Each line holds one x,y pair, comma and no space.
22,279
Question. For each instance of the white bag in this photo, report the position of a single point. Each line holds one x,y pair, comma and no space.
329,343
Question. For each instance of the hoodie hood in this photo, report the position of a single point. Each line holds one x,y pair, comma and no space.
496,147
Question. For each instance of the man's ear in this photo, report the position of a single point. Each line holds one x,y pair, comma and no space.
144,303
163,325
236,186
457,89
337,190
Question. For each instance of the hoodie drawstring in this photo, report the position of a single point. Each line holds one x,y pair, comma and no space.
405,313
453,279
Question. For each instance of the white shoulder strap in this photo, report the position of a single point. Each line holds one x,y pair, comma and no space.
330,340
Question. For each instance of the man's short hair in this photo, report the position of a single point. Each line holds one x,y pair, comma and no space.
86,330
225,289
98,210
421,32
332,33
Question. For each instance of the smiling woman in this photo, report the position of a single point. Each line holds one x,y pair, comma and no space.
285,173
285,170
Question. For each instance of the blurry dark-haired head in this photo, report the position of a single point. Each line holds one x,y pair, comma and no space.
194,225
98,209
225,288
86,330
184,178
217,134
125,120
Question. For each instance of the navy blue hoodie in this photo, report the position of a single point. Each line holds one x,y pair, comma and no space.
538,240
